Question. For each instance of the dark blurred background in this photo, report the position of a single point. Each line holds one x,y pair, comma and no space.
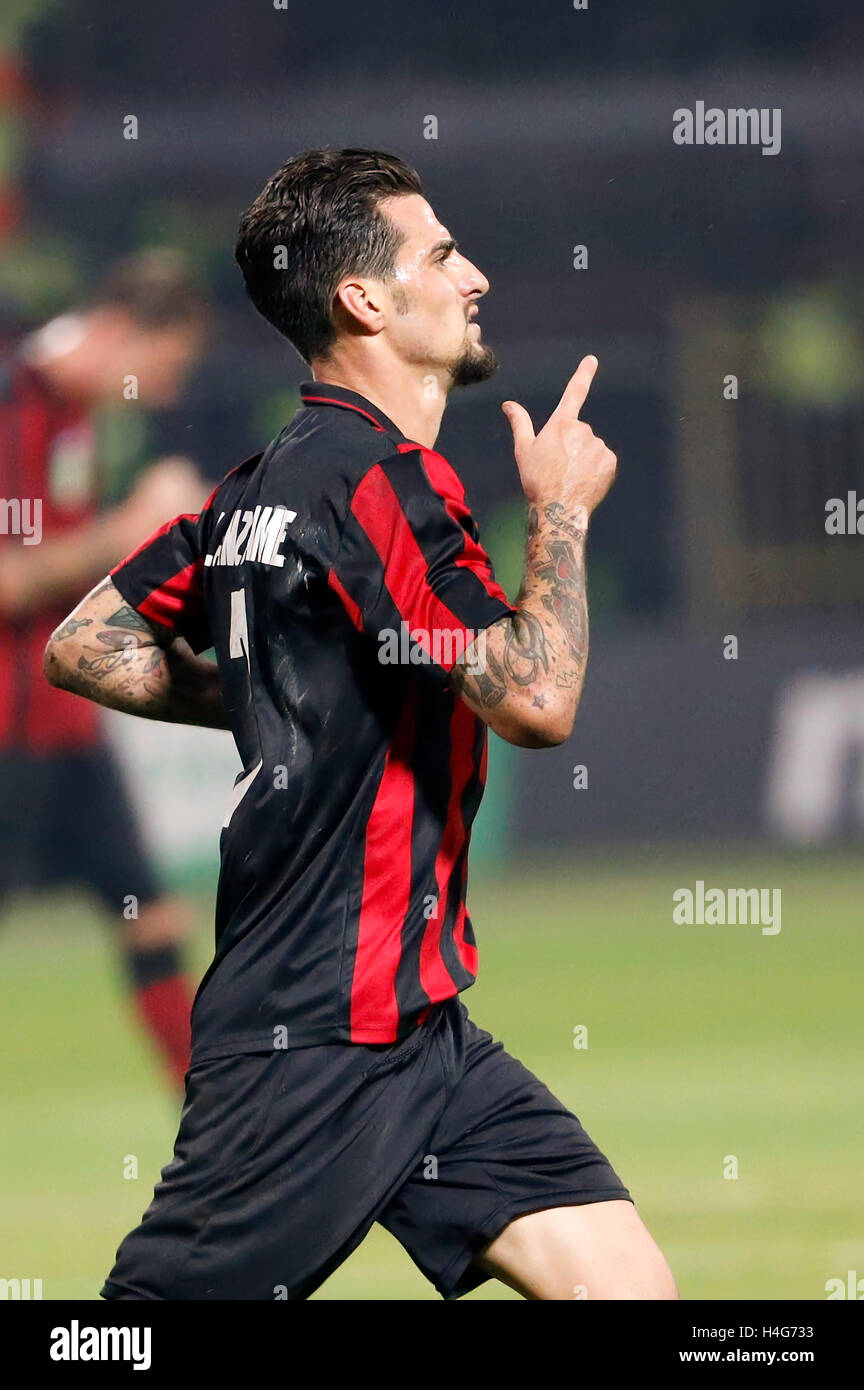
553,130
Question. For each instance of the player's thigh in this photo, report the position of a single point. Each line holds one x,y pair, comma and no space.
598,1250
504,1146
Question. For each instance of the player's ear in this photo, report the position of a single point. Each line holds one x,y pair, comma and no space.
359,300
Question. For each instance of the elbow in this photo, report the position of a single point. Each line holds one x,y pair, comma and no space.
548,734
536,727
54,668
554,734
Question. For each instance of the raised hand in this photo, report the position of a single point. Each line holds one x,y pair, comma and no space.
566,463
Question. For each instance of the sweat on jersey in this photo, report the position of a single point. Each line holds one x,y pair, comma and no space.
339,576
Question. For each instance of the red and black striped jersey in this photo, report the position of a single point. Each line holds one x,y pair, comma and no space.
47,473
339,576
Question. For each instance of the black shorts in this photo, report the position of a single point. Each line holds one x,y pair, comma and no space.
65,818
284,1160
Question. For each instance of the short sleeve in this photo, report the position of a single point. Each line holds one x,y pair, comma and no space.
163,580
410,562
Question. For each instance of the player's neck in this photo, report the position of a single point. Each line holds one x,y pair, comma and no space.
412,398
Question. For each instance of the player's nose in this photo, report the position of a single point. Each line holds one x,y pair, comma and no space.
475,284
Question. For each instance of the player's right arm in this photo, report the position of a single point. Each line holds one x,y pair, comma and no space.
133,643
106,651
524,678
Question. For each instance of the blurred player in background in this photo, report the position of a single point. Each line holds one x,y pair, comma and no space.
65,817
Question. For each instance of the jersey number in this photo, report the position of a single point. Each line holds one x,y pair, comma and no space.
238,632
238,645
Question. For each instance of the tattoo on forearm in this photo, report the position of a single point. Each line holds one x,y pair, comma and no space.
488,687
70,627
146,679
543,646
119,659
127,617
565,575
557,516
525,653
123,648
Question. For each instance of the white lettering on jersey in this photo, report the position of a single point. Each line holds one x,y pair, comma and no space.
255,535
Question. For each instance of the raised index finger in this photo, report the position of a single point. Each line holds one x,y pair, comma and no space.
578,386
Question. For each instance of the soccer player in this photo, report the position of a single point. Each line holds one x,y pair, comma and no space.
64,812
363,648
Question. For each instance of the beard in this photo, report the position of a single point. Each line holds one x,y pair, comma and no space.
475,362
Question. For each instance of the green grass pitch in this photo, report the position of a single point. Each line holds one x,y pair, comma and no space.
703,1043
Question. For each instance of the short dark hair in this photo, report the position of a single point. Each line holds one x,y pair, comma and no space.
158,288
321,209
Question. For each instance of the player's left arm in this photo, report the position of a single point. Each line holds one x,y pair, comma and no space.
108,652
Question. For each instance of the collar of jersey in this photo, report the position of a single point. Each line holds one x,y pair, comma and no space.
315,393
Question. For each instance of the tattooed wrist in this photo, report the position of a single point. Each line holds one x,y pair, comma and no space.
573,524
